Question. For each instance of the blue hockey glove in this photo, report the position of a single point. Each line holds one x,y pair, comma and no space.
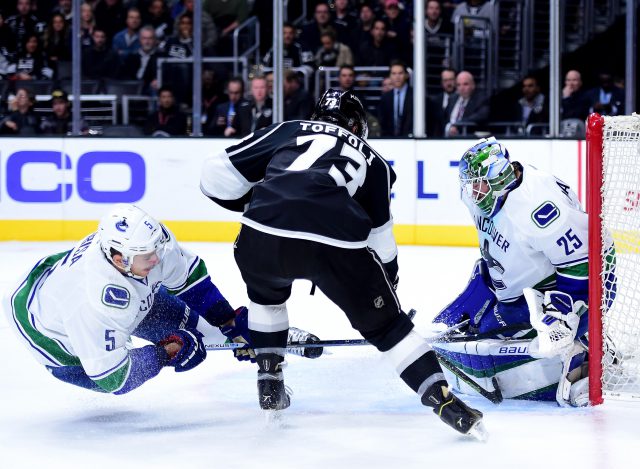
238,331
191,353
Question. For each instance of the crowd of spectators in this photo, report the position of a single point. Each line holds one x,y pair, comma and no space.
123,40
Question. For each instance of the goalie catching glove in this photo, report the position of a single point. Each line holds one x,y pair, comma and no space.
553,315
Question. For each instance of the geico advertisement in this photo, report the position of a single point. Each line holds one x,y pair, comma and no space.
76,179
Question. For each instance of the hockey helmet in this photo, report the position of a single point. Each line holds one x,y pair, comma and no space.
342,108
487,175
130,231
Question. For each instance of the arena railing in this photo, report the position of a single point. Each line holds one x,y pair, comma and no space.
250,27
238,63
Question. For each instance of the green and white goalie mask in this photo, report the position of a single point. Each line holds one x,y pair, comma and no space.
486,175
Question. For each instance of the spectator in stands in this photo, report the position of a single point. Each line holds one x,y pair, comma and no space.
397,25
480,8
332,53
396,106
32,64
60,122
532,107
99,61
57,41
157,15
386,85
8,44
87,25
298,104
574,103
23,121
437,105
209,30
378,52
292,53
606,99
222,121
257,113
310,35
110,17
269,78
180,45
64,8
227,16
345,22
143,64
346,81
469,107
212,92
168,120
24,24
435,25
127,41
366,19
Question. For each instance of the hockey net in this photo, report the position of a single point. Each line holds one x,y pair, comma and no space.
613,203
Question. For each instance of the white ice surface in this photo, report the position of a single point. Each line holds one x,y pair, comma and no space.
349,409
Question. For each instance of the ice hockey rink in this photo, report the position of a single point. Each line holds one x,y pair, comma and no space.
349,408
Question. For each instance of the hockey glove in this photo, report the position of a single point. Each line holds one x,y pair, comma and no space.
191,353
553,315
237,331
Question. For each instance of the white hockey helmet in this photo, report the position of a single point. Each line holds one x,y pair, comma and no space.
130,231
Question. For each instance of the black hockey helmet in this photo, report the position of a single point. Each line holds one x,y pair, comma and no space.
342,108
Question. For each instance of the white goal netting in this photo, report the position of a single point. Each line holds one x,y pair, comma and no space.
620,274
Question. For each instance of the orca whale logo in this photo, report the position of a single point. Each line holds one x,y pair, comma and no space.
122,225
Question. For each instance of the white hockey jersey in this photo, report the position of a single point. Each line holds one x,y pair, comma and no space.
76,308
540,228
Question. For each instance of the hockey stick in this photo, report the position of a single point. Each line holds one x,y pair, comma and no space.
483,335
321,343
494,396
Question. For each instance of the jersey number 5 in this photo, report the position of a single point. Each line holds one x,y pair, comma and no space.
321,144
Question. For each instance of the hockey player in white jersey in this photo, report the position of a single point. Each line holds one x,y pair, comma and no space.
77,310
524,311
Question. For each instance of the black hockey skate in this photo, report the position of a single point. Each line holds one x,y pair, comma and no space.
453,411
299,335
272,393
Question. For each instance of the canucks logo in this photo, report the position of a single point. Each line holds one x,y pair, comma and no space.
122,225
116,296
545,214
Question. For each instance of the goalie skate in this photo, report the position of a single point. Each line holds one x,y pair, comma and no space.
299,335
454,412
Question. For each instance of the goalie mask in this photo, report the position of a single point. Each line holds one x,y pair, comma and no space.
131,231
342,108
486,175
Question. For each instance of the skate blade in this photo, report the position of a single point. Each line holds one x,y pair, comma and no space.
479,432
274,418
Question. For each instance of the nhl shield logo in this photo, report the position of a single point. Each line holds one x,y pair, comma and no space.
378,302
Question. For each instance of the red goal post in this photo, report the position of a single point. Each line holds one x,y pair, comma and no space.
613,203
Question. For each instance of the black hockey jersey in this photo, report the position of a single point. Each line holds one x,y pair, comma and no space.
307,180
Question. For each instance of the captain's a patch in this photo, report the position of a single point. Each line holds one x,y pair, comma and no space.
545,214
116,296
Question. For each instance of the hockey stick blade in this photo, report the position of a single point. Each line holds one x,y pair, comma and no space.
494,396
320,343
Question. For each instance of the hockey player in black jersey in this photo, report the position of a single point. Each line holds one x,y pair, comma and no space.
315,201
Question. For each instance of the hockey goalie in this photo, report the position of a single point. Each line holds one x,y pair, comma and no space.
521,323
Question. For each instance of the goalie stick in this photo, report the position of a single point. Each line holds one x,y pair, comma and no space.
494,396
